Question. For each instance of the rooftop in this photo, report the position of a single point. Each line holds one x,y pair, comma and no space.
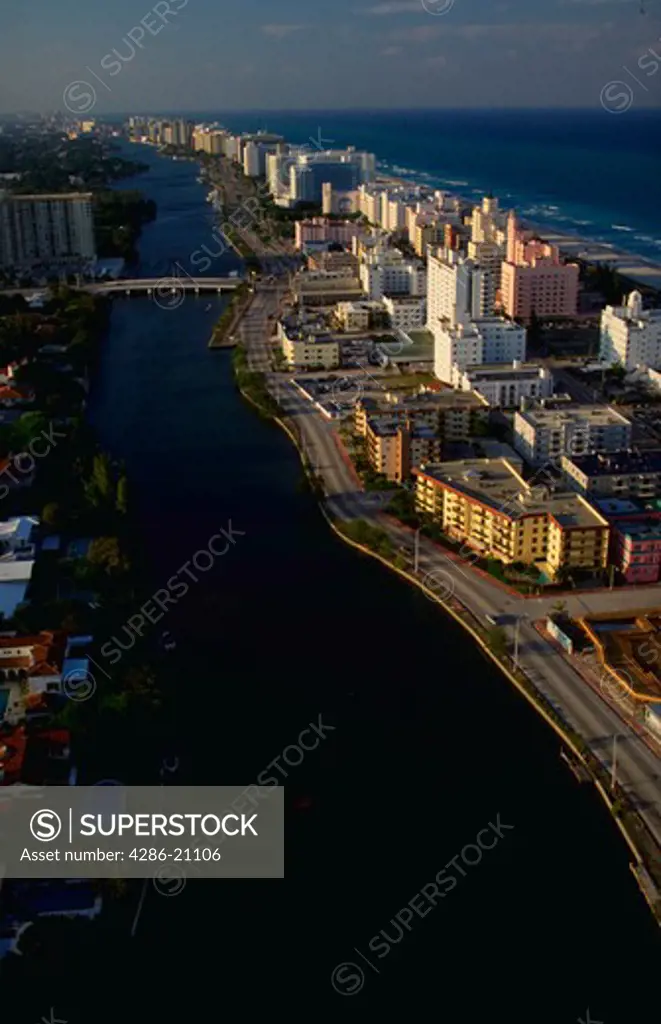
607,463
507,371
497,484
383,427
641,529
594,415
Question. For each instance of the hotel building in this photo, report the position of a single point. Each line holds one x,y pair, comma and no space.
319,229
458,289
630,335
543,434
306,345
505,385
534,281
486,340
52,229
385,271
488,506
395,447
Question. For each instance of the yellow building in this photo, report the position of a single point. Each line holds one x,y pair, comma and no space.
394,448
486,504
428,234
306,346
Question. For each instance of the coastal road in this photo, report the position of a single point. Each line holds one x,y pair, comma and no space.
586,711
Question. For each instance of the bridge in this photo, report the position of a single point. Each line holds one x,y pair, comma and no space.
163,287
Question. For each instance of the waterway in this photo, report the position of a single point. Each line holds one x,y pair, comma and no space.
428,742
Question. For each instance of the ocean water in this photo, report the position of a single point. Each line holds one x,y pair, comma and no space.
591,173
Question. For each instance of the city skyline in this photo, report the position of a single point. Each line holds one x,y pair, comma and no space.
192,56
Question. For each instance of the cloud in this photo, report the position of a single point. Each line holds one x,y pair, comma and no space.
394,7
280,31
418,34
390,51
595,3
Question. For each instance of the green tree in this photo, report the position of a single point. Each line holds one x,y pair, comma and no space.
99,488
107,553
51,514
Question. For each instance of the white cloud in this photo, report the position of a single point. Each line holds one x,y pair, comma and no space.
394,7
280,31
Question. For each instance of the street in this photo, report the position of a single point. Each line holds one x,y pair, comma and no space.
586,711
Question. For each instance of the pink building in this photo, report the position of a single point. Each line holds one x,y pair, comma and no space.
319,229
533,278
638,550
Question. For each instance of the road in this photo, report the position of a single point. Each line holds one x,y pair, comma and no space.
586,711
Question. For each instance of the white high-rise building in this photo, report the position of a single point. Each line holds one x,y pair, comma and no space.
252,160
631,335
543,434
52,229
486,340
387,272
488,221
458,289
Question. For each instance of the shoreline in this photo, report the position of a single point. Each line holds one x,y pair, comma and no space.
638,269
531,694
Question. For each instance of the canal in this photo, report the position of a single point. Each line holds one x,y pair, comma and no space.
425,743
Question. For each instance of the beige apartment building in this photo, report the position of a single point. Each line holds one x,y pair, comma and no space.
452,415
395,447
489,507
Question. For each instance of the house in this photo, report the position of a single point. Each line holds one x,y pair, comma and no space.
13,743
11,397
17,555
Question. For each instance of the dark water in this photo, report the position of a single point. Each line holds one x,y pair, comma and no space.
568,170
428,745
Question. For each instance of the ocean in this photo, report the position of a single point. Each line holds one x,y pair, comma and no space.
591,173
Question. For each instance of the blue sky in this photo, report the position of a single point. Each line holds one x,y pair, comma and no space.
291,54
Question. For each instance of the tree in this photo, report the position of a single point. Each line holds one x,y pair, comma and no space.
99,488
106,552
51,514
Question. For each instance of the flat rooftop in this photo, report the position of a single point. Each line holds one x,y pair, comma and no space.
609,463
497,484
500,371
426,401
615,508
640,529
383,427
593,415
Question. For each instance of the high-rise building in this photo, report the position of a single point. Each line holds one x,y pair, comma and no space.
459,289
52,229
475,342
301,174
630,335
534,280
386,271
543,434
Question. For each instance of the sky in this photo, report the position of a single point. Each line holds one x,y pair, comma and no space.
197,55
